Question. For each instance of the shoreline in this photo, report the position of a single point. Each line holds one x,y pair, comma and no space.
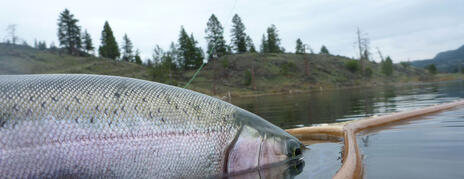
439,78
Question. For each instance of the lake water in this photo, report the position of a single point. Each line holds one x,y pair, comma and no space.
323,160
427,147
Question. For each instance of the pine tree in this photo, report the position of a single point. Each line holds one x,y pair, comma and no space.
137,58
158,54
42,45
324,50
11,34
109,47
239,38
127,49
197,53
387,66
229,49
174,54
273,40
299,49
215,38
184,42
69,33
149,63
52,46
264,45
189,55
87,45
250,45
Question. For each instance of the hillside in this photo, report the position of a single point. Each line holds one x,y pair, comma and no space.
285,73
274,73
447,61
27,60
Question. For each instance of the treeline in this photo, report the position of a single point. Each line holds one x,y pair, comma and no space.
78,43
184,54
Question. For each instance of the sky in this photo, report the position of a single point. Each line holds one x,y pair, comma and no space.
404,30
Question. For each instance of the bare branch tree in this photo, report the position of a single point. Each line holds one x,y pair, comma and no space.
358,33
363,45
380,54
11,33
306,60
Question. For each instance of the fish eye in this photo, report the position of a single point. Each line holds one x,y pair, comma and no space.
294,149
297,152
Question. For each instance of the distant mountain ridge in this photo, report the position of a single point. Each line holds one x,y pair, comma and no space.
447,61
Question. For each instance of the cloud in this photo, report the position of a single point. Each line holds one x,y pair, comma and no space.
415,29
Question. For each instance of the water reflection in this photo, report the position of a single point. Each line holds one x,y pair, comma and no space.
284,171
323,160
298,110
419,148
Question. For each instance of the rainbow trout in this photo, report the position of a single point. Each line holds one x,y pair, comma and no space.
107,126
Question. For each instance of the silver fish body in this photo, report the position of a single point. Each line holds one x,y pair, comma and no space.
106,126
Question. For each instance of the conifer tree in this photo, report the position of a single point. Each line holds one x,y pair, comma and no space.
42,45
69,33
264,45
250,45
299,49
174,53
189,55
11,34
87,44
387,66
324,50
197,52
215,38
137,58
184,43
239,37
158,54
127,49
52,46
109,47
149,63
273,40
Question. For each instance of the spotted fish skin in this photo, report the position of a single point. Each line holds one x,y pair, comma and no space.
107,126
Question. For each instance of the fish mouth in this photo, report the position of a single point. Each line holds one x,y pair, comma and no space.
259,144
252,150
287,170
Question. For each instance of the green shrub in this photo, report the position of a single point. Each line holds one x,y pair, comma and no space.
225,63
247,78
432,69
287,67
387,66
405,64
368,72
352,66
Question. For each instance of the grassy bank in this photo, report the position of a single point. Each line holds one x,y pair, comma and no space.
273,73
285,73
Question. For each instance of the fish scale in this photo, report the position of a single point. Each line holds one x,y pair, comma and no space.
93,126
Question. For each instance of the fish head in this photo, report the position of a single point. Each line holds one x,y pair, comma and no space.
260,144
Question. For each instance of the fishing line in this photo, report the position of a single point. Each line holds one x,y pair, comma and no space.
203,64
